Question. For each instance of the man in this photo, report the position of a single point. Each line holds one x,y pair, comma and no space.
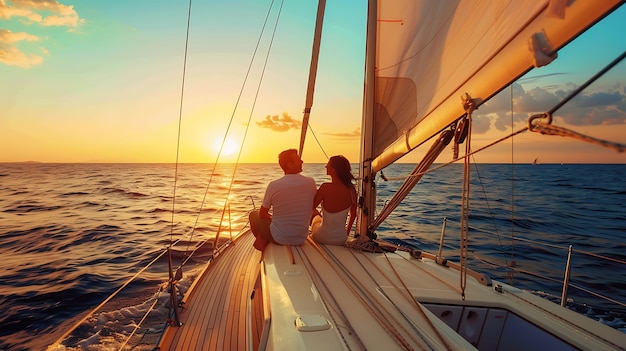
291,200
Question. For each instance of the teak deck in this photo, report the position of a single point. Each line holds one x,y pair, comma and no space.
226,290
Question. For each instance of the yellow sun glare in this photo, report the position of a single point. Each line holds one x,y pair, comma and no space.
230,147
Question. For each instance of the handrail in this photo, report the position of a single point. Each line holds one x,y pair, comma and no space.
565,283
566,278
518,270
67,334
103,303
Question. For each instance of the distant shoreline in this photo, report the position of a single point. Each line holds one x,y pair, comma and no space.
269,163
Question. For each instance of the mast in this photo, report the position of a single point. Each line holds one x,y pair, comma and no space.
367,200
317,37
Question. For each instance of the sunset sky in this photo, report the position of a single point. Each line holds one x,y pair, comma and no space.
101,81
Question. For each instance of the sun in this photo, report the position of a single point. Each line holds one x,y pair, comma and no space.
230,147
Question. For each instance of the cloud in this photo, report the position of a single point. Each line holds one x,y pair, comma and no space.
46,13
354,134
280,123
8,37
43,12
12,56
586,109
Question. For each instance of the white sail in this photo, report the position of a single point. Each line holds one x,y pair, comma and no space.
429,54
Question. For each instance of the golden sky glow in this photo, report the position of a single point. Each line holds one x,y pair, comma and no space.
95,81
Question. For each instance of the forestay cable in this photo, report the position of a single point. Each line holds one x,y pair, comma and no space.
172,277
255,99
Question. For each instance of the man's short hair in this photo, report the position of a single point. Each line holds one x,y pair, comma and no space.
284,157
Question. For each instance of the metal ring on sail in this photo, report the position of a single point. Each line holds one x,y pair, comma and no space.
546,127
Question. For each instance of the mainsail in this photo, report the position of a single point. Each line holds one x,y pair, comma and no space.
430,54
427,61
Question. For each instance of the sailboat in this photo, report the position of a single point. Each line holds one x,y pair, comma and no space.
429,66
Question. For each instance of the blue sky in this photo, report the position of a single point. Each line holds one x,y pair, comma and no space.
100,81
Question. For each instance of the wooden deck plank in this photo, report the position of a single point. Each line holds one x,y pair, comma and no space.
215,296
199,324
203,322
257,314
230,314
229,320
219,335
223,290
250,278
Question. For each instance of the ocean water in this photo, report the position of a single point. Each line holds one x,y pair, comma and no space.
72,234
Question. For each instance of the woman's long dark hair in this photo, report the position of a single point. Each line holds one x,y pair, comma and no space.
341,165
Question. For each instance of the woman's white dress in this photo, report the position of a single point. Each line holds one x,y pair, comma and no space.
330,228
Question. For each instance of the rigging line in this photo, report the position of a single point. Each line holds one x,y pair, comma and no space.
336,306
180,119
461,157
582,252
588,82
214,253
137,325
600,296
233,116
412,300
553,280
600,256
236,166
489,208
256,96
226,203
540,243
548,128
380,289
318,141
512,186
465,204
180,113
381,310
93,311
373,307
429,158
439,279
493,263
358,288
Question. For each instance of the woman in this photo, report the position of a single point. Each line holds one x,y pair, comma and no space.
338,199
